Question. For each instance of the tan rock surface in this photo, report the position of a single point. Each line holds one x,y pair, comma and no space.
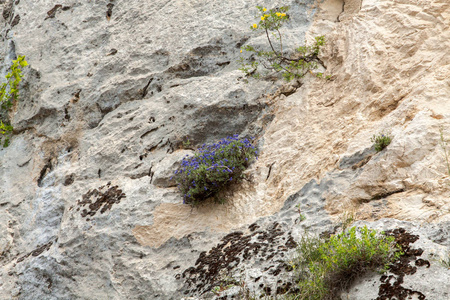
384,78
113,90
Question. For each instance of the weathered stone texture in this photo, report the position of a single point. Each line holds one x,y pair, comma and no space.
88,209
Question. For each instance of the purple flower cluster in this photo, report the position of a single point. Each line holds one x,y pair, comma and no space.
212,167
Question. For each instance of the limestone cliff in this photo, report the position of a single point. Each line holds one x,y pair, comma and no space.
114,88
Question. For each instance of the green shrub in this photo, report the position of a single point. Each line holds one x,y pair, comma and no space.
275,59
381,141
325,267
9,92
213,167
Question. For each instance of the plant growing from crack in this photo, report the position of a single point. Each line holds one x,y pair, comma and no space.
444,144
9,92
325,266
213,167
381,141
277,59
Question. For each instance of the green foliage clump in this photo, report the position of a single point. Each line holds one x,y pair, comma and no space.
275,59
444,144
213,167
9,92
381,141
325,267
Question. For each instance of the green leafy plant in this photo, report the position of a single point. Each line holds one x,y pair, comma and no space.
444,144
381,141
445,261
325,267
9,92
186,143
220,288
302,217
276,59
213,167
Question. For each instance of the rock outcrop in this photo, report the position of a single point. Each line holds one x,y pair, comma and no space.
115,90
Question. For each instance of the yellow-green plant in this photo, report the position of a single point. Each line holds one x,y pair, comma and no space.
9,92
325,267
290,66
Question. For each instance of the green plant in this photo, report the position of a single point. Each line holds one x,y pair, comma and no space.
320,75
444,144
9,92
445,261
220,288
302,217
186,143
346,219
381,141
294,66
325,267
213,167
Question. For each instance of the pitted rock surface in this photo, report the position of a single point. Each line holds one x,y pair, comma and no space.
115,87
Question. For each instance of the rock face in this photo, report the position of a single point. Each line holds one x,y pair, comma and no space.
115,90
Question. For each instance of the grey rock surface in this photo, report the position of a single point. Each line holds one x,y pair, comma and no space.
114,91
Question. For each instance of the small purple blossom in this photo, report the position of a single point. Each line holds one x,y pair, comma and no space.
213,166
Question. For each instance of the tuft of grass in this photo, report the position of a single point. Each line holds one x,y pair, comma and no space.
444,144
326,267
213,167
445,261
381,141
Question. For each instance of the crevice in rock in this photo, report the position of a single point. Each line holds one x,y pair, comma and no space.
24,164
270,169
356,160
76,96
15,21
383,195
385,108
38,251
342,11
150,174
201,61
145,89
48,167
109,11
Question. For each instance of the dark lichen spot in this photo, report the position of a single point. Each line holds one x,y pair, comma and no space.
69,179
98,200
235,249
253,227
15,21
391,286
36,252
52,12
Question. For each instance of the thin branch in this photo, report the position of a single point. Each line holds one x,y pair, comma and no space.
281,41
270,42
